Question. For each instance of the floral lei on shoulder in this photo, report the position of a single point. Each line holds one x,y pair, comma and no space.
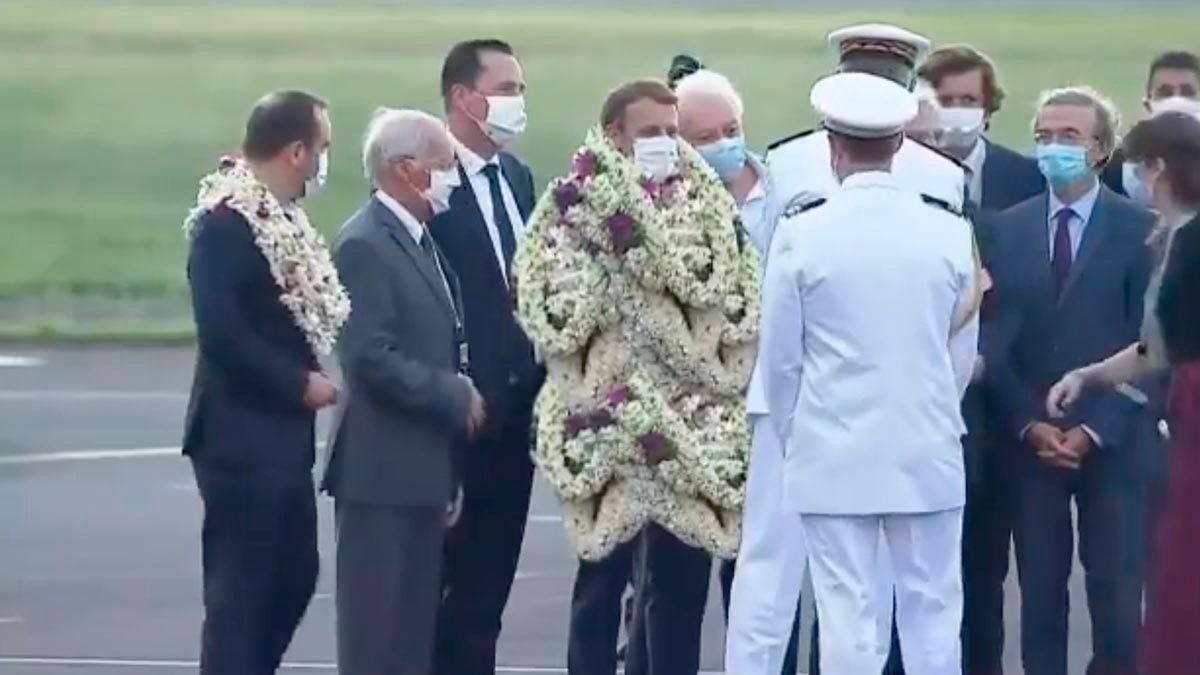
295,252
643,298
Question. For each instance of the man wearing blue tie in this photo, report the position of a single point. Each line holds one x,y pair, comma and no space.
483,89
1070,269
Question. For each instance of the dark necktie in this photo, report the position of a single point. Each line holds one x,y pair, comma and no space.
508,242
1062,257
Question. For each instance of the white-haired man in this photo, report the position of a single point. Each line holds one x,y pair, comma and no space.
711,118
403,355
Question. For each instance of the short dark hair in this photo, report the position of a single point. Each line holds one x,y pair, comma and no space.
280,119
619,99
1173,137
958,59
1174,60
463,63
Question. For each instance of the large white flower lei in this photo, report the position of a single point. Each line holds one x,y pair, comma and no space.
295,252
643,299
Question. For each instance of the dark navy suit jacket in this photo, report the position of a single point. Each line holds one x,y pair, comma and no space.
1009,178
1099,313
247,403
502,360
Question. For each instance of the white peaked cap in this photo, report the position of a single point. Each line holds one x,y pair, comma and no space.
880,37
863,106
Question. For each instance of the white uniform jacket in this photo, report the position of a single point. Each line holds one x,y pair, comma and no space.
863,369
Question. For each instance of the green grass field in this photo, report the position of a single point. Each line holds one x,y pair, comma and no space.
109,112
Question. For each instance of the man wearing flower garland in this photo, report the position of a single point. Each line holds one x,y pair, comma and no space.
643,298
870,419
267,303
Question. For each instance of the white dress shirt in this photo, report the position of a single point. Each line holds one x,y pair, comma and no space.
863,370
1082,207
974,162
417,231
472,164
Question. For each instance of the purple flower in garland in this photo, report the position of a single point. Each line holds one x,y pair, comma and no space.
619,395
649,187
575,425
585,164
567,195
656,447
600,419
623,232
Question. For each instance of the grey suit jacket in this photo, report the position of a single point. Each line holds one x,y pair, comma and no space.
404,408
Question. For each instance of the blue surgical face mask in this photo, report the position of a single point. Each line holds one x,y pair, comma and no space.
1063,164
726,156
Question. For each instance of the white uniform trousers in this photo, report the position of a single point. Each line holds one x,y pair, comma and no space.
770,566
926,562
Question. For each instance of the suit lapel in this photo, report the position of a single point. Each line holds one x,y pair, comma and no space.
424,265
1039,236
1093,237
512,168
463,200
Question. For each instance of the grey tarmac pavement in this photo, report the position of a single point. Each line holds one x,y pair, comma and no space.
99,548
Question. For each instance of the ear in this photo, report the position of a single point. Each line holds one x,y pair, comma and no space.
458,96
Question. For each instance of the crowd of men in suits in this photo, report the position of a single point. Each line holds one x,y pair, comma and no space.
430,462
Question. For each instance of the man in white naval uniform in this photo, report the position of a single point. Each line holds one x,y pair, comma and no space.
869,338
772,558
799,164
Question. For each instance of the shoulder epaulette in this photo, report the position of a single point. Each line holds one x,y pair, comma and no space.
796,207
957,162
789,139
941,204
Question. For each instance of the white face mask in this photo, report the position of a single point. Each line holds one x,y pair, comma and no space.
1175,104
319,175
961,128
1133,179
441,184
657,156
506,119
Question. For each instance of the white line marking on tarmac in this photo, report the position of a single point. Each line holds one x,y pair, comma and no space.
10,620
10,361
183,664
545,519
86,455
84,396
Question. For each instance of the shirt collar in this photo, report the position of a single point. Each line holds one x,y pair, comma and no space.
869,179
470,160
1082,207
411,224
763,185
975,159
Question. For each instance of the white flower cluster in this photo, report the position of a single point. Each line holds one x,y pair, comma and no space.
642,297
295,252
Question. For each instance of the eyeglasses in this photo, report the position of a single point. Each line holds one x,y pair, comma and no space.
1066,137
